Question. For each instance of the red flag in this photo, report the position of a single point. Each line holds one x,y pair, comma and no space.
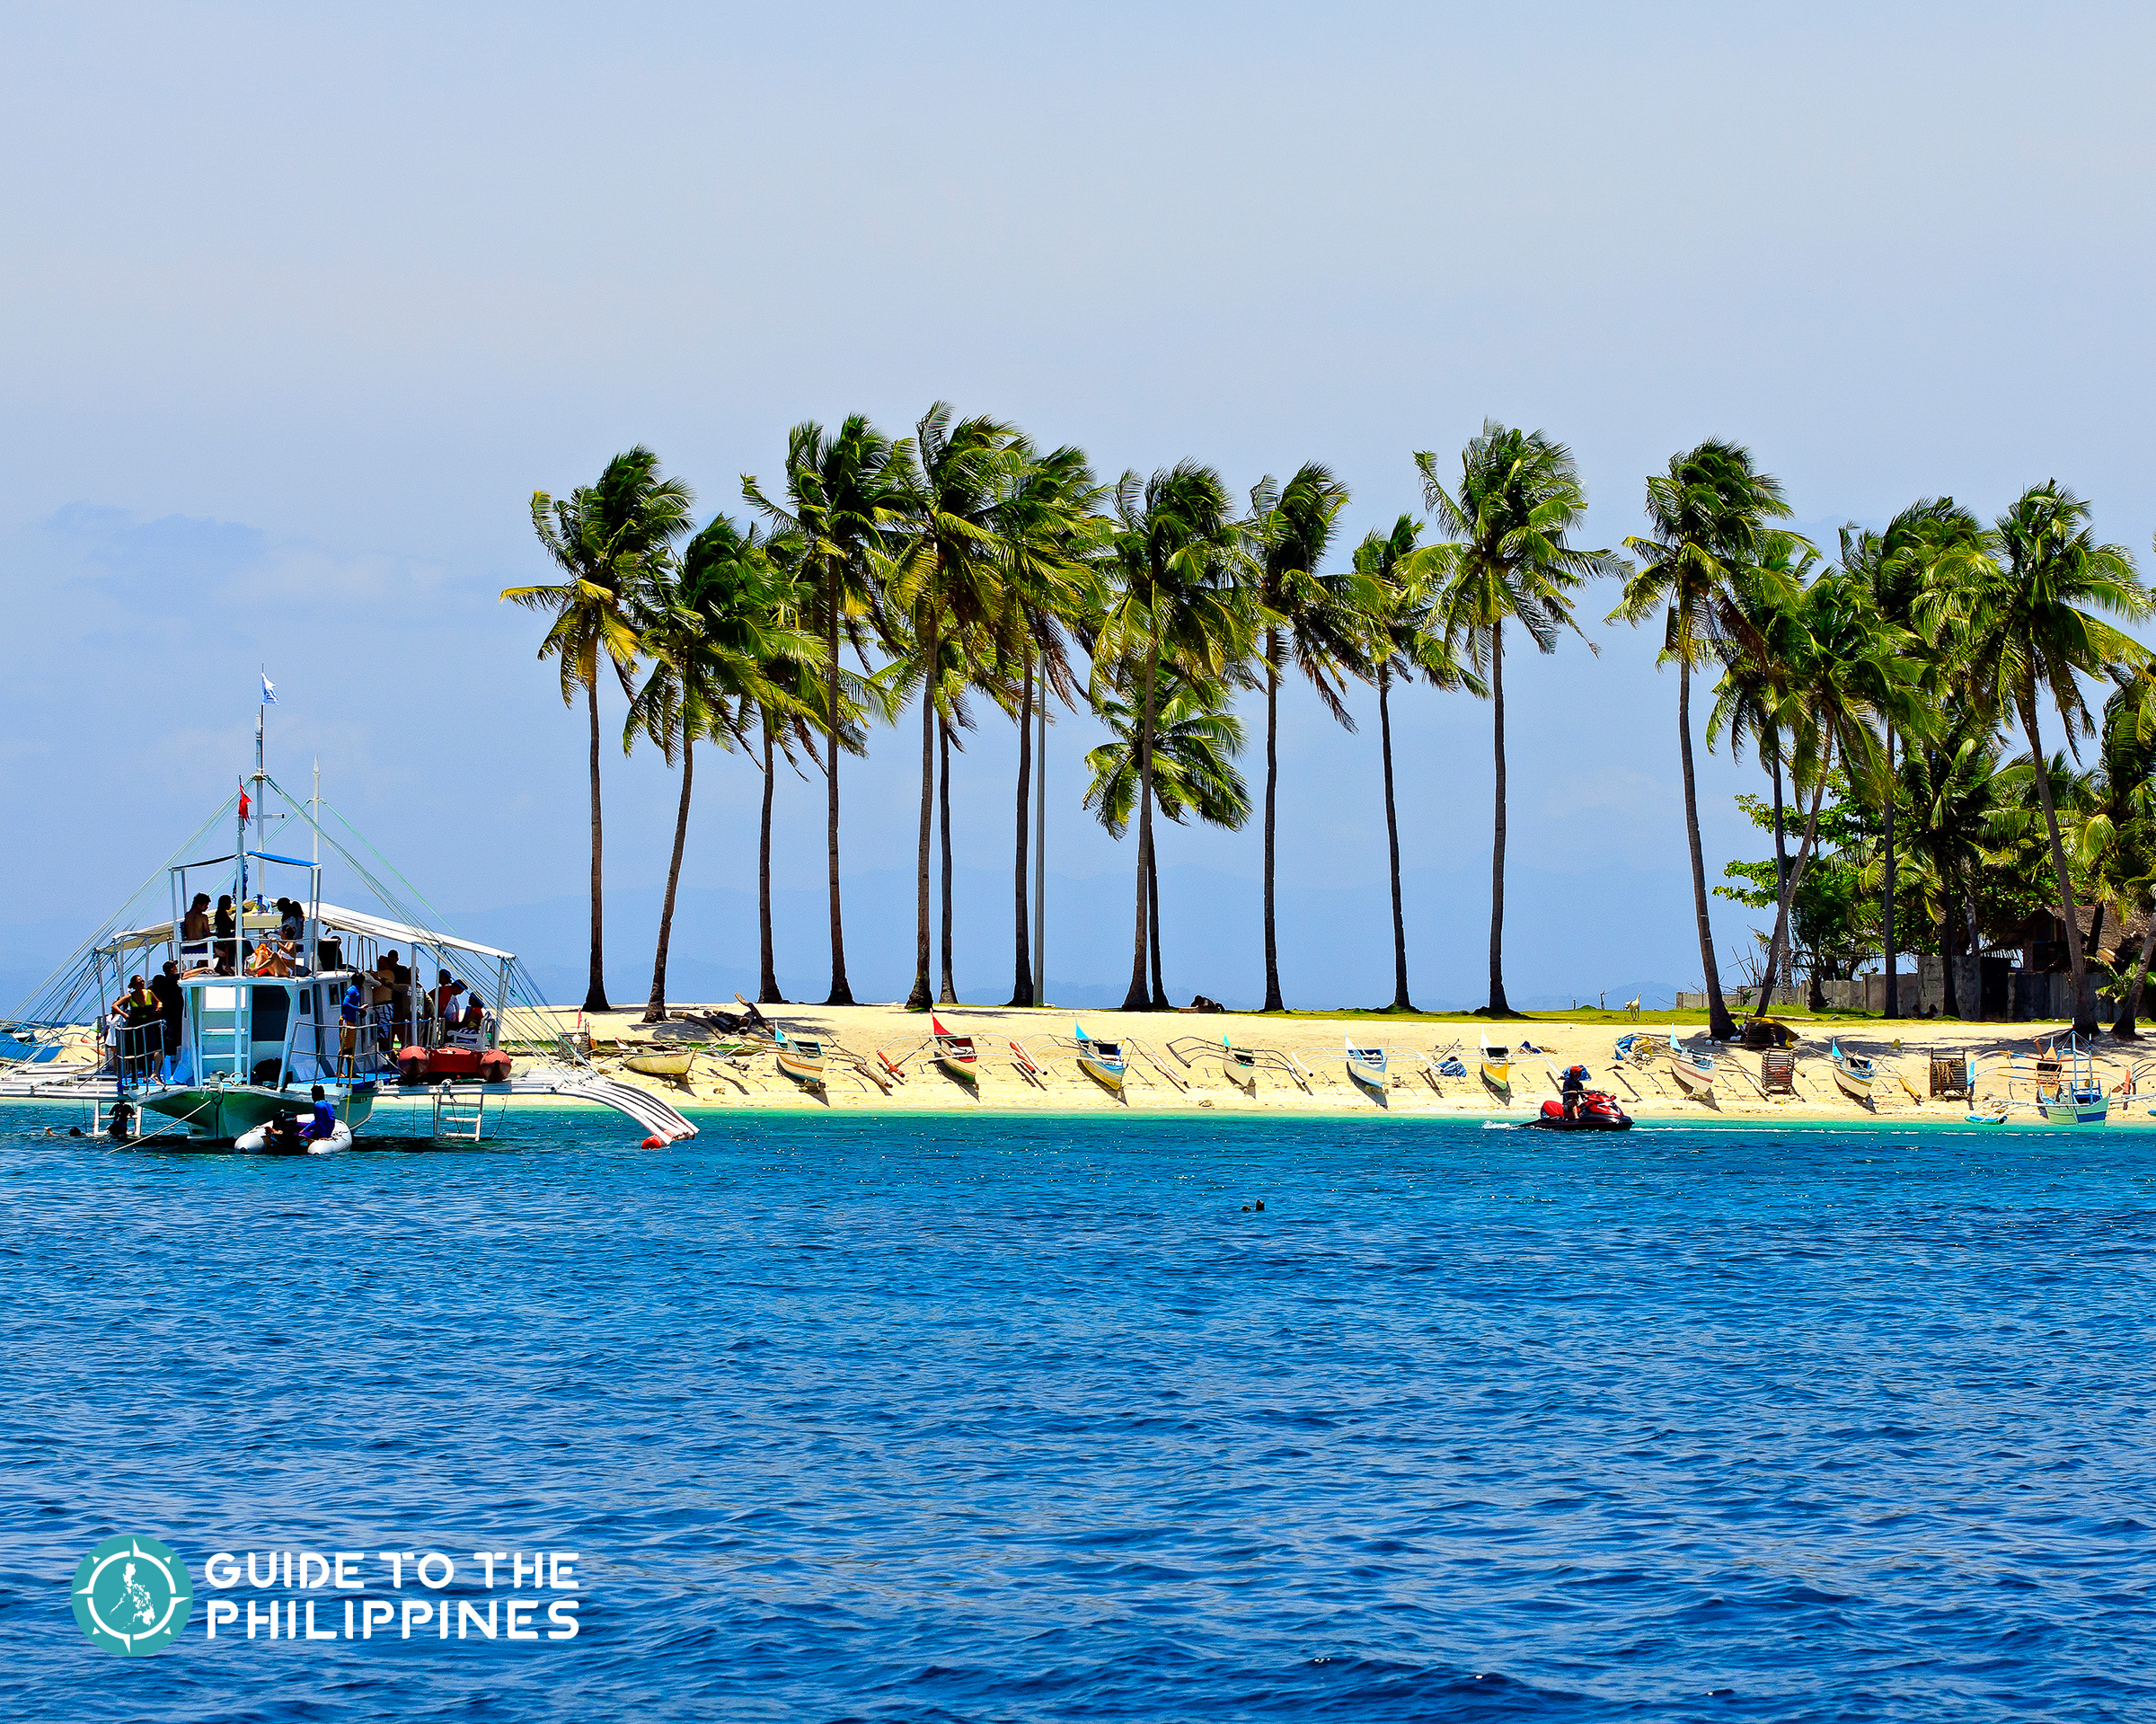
243,808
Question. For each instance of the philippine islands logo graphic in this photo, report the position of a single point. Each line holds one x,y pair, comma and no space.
132,1596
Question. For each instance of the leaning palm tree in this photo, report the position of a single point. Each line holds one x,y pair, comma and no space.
842,493
1403,642
1178,568
1307,623
1706,518
715,633
610,540
1508,560
946,581
2024,620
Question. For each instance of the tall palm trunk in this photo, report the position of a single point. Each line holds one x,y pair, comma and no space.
1718,1025
1138,997
1782,875
2084,1002
595,995
841,994
1152,919
2125,1028
1273,1002
1952,1006
1498,1006
919,999
1785,900
1022,986
655,1010
767,984
948,994
1894,991
1400,926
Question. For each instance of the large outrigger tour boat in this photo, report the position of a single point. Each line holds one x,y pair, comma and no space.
285,998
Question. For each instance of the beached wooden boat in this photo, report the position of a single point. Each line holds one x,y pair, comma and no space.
1102,1061
1694,1070
1367,1065
956,1054
2068,1091
1853,1074
1497,1065
669,1066
801,1059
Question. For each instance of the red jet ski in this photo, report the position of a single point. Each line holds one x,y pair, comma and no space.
1598,1112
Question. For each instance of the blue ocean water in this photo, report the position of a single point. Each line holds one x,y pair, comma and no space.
985,1419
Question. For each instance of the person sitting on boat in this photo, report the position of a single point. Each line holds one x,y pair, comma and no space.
223,925
294,924
323,1122
1575,1088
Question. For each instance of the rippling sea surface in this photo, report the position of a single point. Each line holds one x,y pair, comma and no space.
992,1417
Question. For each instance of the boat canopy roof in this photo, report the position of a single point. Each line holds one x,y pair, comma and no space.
337,919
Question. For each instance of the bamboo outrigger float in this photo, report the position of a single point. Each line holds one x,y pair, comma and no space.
272,1003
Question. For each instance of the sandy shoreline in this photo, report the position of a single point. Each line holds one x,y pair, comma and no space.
1162,1079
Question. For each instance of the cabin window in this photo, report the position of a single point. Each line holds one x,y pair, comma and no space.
272,1012
220,999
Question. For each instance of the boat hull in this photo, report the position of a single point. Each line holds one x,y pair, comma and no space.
2072,1110
221,1114
1110,1077
1366,1073
802,1071
1690,1079
1497,1074
1857,1088
661,1064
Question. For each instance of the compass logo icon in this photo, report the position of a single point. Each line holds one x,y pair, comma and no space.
132,1596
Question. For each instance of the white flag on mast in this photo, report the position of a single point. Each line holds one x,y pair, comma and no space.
269,690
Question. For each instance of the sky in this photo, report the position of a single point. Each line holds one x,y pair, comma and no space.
299,305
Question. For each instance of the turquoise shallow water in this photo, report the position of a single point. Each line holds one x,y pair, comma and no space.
991,1419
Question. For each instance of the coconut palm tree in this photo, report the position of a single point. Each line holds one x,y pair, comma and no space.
1954,793
841,493
1848,669
1927,544
1177,568
1305,623
1052,531
2024,618
609,540
715,633
1405,641
1705,516
946,581
1508,559
1196,740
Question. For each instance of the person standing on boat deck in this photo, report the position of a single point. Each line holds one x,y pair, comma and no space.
351,1015
146,1025
172,1008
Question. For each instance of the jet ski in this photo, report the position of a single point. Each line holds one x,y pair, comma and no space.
1598,1112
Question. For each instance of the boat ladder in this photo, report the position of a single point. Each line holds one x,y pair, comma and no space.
459,1116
